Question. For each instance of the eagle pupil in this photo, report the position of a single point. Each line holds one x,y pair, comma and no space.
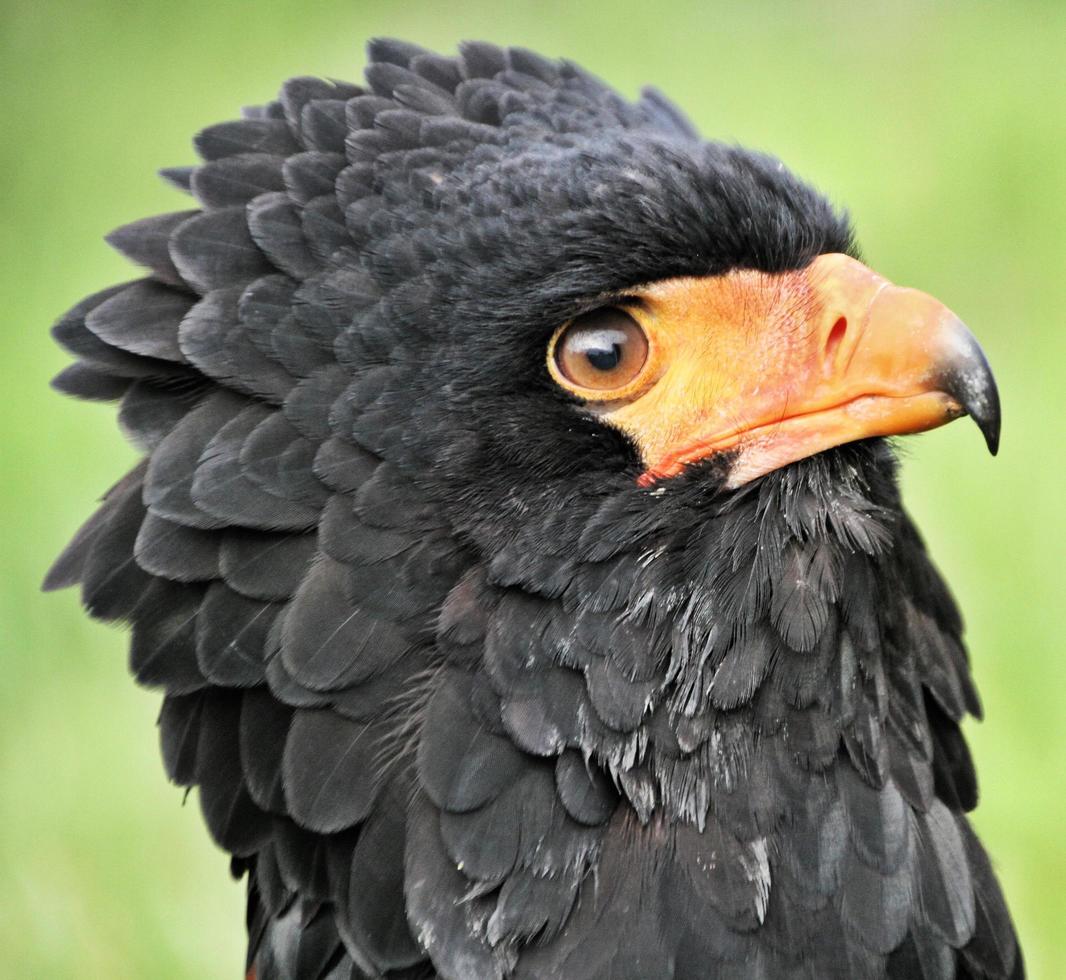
605,358
604,349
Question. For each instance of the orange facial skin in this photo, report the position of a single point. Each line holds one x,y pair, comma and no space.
777,367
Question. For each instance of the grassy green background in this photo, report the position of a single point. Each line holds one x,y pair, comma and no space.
942,127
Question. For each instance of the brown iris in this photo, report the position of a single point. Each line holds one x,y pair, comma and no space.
603,350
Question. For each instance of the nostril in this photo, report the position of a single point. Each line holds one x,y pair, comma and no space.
836,335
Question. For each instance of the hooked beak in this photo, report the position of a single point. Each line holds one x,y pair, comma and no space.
775,368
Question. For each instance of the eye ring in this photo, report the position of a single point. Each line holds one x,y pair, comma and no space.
602,355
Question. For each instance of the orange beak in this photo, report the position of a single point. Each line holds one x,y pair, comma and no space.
775,368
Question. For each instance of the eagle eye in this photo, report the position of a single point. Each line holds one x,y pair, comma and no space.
602,351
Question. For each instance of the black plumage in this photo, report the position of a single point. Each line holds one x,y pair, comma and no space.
461,697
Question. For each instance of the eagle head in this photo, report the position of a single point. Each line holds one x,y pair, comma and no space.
518,548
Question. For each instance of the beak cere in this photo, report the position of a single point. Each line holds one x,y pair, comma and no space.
775,368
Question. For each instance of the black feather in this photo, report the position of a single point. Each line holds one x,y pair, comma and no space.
323,125
112,583
442,72
993,951
584,789
147,242
215,249
176,552
68,568
221,487
265,566
878,818
329,770
264,727
297,92
484,843
943,887
275,226
172,467
875,906
163,647
245,136
447,923
89,383
462,766
311,174
179,727
327,642
235,180
235,822
303,860
150,411
231,632
71,332
376,912
142,319
277,459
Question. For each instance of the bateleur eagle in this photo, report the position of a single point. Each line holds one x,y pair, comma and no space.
517,548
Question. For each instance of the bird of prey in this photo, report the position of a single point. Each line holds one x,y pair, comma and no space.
518,549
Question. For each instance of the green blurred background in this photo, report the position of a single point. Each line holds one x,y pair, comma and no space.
941,126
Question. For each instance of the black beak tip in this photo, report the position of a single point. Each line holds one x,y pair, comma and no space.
980,398
989,427
968,378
